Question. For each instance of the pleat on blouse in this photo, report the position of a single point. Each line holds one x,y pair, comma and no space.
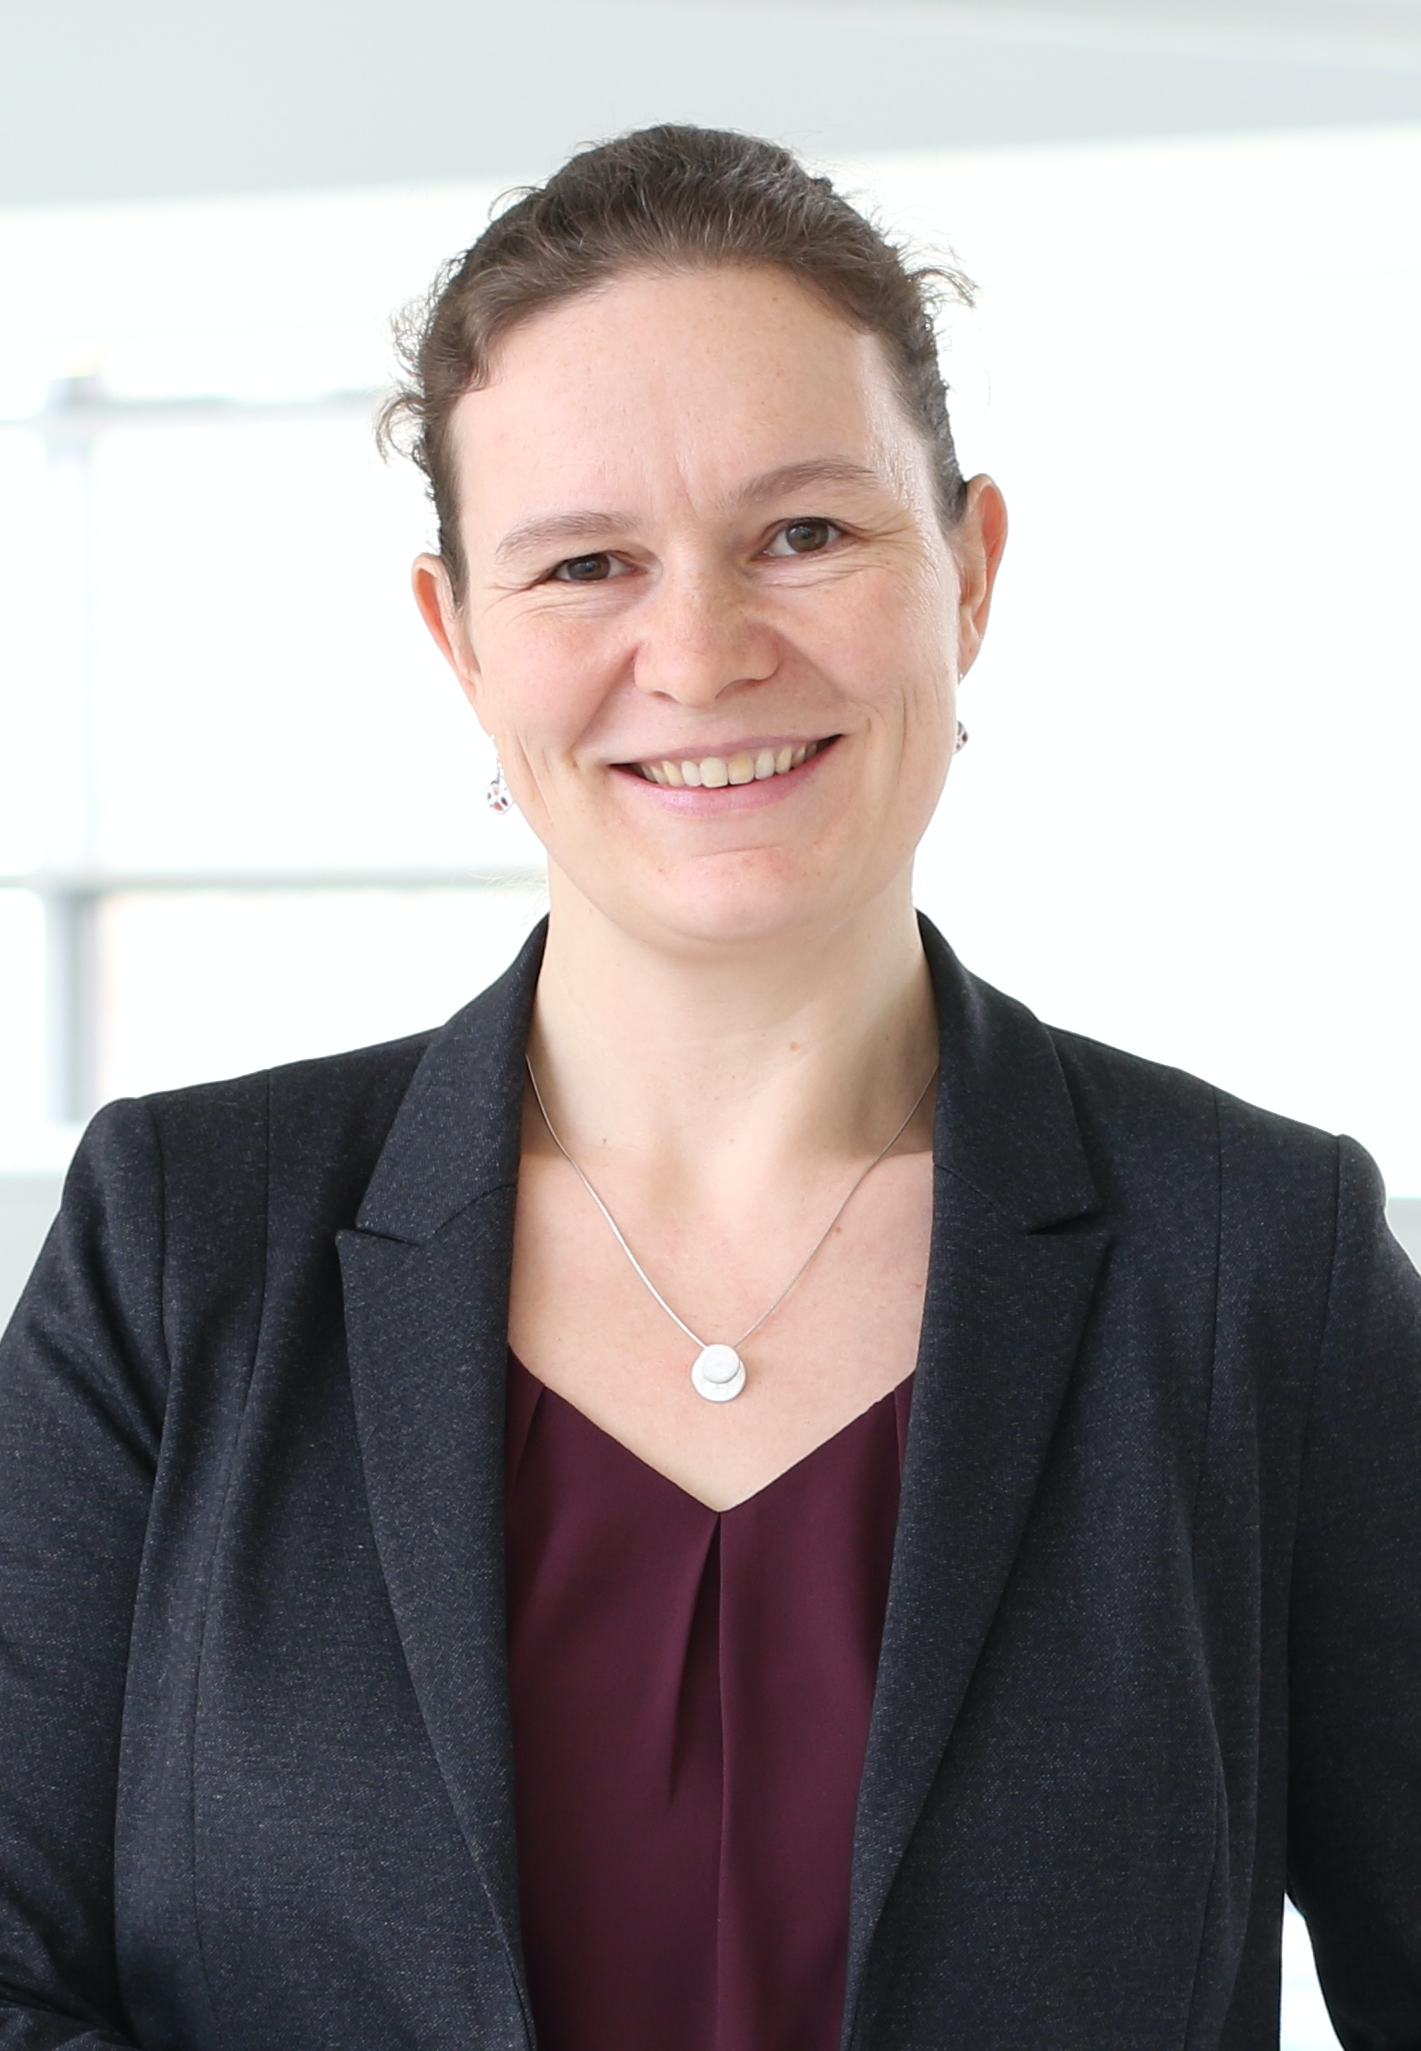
691,1692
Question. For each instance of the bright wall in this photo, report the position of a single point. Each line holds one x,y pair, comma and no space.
1187,821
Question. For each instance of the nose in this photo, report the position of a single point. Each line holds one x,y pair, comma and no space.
701,638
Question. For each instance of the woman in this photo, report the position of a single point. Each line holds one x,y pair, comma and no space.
744,1492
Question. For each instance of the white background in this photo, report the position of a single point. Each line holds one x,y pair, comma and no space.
1187,819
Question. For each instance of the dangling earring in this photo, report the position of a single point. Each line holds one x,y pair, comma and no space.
961,741
498,797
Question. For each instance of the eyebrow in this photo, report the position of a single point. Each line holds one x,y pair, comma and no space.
593,525
791,477
555,527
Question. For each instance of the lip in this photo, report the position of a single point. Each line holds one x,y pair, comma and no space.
732,797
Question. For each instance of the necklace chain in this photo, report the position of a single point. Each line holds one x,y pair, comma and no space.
799,1272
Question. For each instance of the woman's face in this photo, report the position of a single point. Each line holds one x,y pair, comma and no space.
711,618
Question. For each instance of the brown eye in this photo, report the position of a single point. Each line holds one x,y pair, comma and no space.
803,537
584,569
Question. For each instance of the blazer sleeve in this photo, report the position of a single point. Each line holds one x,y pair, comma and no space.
1355,1650
82,1384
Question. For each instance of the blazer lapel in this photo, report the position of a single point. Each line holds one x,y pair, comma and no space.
1008,1294
426,1275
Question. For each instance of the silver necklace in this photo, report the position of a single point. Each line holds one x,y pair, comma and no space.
718,1372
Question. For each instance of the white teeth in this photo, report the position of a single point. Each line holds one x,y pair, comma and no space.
713,772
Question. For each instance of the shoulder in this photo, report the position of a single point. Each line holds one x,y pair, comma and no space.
176,1204
1280,1199
338,1103
1102,1128
1284,1224
1148,1115
205,1164
287,1154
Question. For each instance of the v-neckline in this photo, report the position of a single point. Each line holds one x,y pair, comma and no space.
522,1413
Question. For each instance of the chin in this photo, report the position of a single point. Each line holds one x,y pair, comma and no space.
750,904
742,898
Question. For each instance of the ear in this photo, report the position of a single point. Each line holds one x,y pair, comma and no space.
443,615
978,541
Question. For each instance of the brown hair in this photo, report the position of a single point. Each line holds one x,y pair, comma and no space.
669,198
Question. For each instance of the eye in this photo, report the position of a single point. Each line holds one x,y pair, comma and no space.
588,569
804,537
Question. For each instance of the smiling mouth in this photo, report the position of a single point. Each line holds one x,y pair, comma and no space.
715,772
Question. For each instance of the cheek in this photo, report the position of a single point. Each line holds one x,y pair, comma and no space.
888,644
544,680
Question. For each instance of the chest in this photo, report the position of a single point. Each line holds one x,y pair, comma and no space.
589,1327
1066,1717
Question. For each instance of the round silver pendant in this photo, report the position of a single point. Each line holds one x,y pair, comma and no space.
718,1374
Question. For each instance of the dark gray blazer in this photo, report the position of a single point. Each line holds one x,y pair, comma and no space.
1153,1643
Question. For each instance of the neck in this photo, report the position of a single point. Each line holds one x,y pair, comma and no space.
719,1069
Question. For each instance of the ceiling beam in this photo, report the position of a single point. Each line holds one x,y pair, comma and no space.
162,98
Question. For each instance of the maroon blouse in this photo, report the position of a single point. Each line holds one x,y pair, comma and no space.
691,1695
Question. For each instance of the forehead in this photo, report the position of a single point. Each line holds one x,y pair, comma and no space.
684,384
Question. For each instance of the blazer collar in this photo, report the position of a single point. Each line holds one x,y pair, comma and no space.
1004,1125
457,1134
1013,1264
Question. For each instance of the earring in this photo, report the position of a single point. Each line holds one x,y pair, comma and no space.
498,797
961,739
